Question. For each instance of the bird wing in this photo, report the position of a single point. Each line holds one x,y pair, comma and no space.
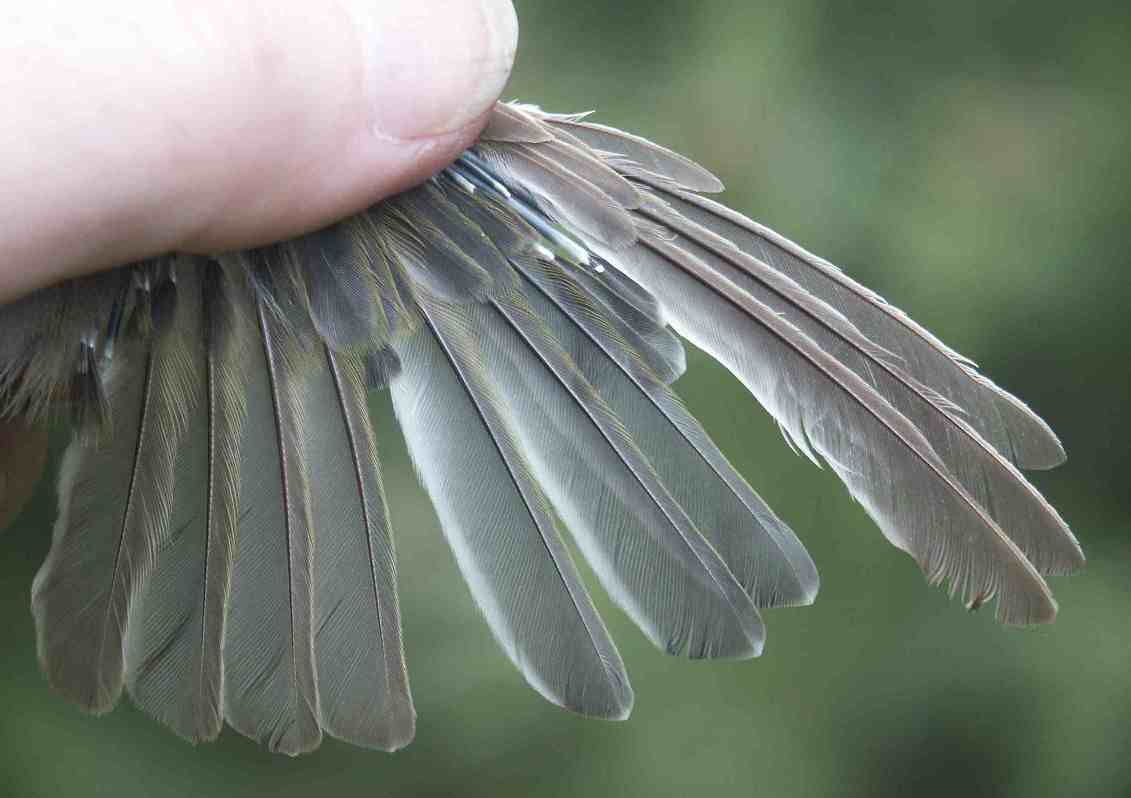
224,547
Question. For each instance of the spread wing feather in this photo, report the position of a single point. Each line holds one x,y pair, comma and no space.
764,555
1000,418
114,508
640,540
223,546
828,410
985,473
270,686
362,681
177,625
498,522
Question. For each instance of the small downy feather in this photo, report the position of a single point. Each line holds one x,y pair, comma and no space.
424,253
433,207
381,367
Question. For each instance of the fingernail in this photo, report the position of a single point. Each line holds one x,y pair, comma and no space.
437,65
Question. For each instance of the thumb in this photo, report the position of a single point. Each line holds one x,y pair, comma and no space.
209,126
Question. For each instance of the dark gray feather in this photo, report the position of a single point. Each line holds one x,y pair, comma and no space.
761,551
640,541
362,681
341,286
114,508
270,686
177,625
827,410
991,480
1001,419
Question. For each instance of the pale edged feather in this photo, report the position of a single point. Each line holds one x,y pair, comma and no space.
781,574
498,523
647,154
1000,418
510,237
270,685
561,194
627,295
761,551
174,660
827,410
114,508
588,166
513,124
994,483
640,541
362,680
538,111
655,340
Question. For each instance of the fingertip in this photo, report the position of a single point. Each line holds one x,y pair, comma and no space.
430,73
214,126
435,67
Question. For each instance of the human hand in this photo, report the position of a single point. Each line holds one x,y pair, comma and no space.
140,127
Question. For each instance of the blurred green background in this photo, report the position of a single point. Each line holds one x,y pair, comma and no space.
968,160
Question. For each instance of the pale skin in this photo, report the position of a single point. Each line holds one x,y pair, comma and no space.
138,127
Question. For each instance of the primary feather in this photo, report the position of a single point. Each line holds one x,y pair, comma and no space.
498,521
114,507
174,666
270,686
362,681
224,549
